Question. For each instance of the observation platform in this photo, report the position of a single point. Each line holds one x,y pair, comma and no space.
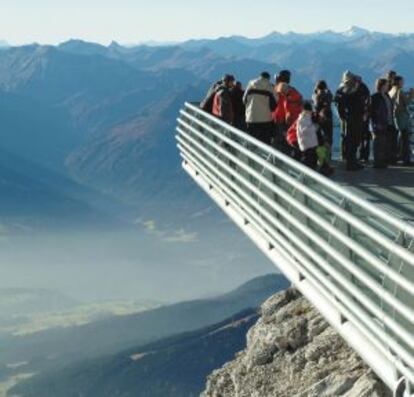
346,243
391,189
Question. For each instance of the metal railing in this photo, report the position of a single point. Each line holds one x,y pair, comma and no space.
351,259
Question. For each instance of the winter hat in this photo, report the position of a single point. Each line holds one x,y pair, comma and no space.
347,76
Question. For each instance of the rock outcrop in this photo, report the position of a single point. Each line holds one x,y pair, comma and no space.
293,352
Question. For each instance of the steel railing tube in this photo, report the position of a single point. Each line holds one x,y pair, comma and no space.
361,275
348,217
263,224
364,253
403,226
353,260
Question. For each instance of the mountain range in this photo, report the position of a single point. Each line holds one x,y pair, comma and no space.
94,201
175,366
121,332
137,349
105,115
87,135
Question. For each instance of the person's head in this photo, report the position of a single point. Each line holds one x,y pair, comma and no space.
381,86
239,85
307,107
348,77
283,77
282,88
265,75
358,80
398,82
228,80
391,74
321,86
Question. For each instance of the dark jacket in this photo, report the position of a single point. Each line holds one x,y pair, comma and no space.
323,108
379,114
239,108
351,104
222,105
365,97
323,104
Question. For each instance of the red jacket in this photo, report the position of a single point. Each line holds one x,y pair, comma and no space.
292,134
222,106
279,115
289,107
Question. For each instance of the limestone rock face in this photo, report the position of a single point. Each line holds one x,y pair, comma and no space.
293,352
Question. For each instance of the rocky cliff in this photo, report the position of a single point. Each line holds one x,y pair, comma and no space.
293,352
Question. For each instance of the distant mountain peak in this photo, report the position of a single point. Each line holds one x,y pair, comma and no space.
273,34
73,41
114,44
356,31
82,47
352,31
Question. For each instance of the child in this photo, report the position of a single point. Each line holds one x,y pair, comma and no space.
307,135
309,127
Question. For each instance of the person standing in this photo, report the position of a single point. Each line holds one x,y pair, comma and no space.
390,76
207,103
279,114
380,123
222,102
351,108
392,132
365,146
288,108
260,102
322,100
237,94
402,119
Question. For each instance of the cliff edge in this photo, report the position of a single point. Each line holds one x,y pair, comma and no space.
293,352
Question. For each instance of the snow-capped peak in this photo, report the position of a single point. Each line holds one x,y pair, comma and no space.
356,31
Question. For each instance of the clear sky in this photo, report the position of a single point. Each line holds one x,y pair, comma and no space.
133,21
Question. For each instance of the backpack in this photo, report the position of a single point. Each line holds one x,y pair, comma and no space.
207,103
292,134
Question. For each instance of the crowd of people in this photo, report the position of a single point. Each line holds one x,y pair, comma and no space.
276,114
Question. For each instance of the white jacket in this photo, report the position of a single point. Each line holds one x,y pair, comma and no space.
307,132
258,97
